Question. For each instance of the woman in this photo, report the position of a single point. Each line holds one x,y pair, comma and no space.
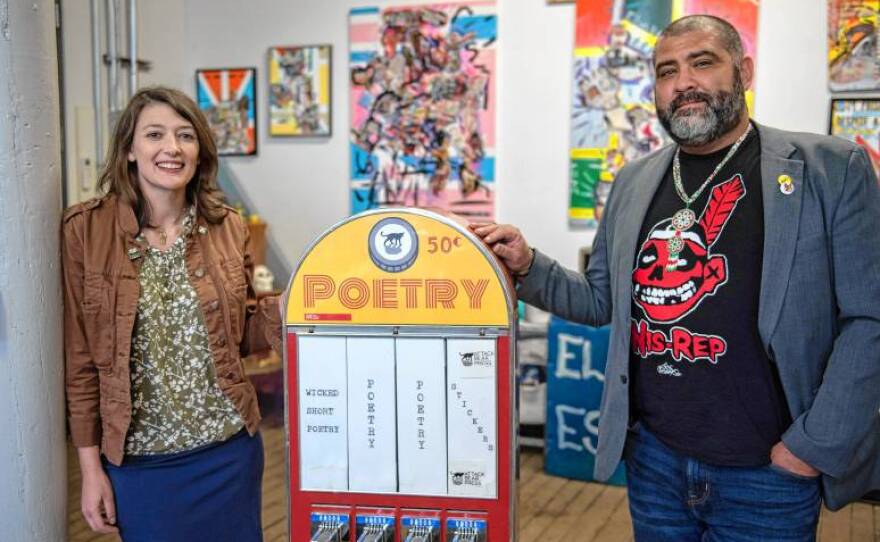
158,312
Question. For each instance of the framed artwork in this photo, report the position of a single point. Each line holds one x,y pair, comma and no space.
299,91
422,101
613,117
227,96
853,63
858,120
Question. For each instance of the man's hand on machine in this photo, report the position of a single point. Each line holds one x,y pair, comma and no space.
508,243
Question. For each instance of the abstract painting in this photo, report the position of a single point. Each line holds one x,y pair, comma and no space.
422,97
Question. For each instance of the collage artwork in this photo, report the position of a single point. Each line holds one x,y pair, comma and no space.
422,98
228,99
853,63
299,91
858,120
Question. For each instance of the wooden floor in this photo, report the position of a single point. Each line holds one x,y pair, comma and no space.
551,508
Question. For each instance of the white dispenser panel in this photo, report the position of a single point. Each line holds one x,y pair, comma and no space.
472,447
322,413
372,426
421,415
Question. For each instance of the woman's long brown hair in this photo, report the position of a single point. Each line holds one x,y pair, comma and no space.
120,177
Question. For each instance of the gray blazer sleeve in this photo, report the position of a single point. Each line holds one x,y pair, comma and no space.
573,296
846,403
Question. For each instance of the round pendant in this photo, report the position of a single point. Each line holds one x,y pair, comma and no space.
674,245
683,219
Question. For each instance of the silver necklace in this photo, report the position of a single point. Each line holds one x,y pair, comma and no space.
684,219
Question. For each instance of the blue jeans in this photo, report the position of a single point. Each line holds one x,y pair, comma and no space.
673,497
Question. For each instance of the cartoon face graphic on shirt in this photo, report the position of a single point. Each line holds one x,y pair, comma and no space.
669,286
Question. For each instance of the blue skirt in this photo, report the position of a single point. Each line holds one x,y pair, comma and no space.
209,493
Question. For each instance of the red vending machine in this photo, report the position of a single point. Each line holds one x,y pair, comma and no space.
399,400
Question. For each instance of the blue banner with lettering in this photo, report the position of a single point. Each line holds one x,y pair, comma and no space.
576,358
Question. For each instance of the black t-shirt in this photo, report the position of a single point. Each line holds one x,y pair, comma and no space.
702,381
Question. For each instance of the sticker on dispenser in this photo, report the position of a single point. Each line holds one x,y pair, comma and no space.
421,415
471,414
372,437
322,413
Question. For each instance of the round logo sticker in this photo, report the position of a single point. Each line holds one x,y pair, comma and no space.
393,244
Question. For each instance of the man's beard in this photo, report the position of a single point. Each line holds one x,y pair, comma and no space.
695,127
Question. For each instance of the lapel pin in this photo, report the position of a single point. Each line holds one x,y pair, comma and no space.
786,184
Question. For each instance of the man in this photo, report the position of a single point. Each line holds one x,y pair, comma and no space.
740,271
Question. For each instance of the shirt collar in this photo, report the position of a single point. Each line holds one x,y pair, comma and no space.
128,221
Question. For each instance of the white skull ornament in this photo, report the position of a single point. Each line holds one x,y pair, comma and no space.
264,280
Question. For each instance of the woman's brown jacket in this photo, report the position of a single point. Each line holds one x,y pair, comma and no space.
101,260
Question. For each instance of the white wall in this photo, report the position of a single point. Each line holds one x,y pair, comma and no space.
160,27
535,103
791,88
301,186
32,451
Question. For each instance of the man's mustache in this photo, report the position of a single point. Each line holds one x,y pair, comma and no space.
687,97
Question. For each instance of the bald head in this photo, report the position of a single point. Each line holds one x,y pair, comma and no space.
726,34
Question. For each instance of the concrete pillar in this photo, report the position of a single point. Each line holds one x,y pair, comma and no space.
33,474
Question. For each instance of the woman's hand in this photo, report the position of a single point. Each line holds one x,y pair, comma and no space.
98,506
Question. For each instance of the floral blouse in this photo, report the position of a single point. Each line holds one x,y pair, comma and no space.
176,402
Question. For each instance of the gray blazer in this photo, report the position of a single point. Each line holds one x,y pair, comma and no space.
819,308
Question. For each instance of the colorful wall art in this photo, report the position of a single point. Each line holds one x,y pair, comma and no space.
422,95
299,91
852,45
858,120
227,96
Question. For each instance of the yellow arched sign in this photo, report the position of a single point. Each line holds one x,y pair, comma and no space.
398,267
